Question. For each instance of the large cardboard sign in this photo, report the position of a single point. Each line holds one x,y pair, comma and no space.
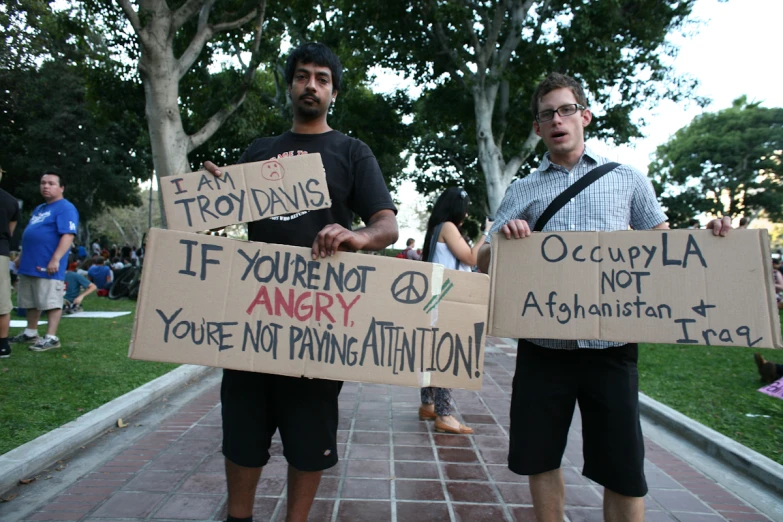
677,287
269,308
247,192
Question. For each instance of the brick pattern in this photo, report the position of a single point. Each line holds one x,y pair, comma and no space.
393,467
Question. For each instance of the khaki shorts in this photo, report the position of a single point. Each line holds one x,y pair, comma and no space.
40,294
5,286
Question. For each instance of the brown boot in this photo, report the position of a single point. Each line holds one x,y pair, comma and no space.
767,369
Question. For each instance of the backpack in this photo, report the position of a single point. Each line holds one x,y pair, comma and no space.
403,254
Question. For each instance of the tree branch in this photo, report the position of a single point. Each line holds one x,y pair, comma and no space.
502,111
217,119
239,22
493,31
203,15
185,12
238,56
213,124
188,58
205,33
528,147
457,163
481,57
518,13
133,18
443,40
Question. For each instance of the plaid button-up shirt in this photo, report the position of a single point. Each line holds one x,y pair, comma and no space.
624,197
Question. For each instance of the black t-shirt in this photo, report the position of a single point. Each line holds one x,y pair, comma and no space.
9,211
352,175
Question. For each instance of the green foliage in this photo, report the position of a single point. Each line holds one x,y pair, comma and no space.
728,162
373,118
63,110
455,51
91,369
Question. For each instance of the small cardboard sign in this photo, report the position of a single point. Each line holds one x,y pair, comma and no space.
677,287
773,390
269,308
247,192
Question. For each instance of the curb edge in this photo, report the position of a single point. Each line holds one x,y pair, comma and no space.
743,459
34,456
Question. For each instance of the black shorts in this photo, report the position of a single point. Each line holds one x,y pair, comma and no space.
605,383
304,410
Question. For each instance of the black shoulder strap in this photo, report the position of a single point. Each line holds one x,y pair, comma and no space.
569,193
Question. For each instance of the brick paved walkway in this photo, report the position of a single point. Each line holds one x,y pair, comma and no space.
409,473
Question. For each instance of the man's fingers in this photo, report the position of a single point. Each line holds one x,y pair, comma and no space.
720,227
516,228
337,240
726,222
212,169
506,231
321,242
330,239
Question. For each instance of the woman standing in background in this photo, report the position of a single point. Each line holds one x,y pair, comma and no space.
444,244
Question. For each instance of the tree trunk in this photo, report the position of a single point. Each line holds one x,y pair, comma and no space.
498,174
167,135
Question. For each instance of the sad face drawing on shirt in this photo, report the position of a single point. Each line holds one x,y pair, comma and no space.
272,170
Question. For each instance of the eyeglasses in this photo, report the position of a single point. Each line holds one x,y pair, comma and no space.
565,110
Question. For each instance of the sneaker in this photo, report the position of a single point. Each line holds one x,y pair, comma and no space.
44,344
5,353
24,338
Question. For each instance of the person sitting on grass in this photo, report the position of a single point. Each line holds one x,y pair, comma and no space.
77,287
101,275
777,280
769,371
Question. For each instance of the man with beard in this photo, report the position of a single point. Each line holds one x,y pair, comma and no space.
304,410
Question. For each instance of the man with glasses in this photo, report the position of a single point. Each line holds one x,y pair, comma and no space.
552,375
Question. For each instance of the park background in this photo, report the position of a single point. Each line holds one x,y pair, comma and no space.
73,99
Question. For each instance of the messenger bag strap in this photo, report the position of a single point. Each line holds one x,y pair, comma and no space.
571,192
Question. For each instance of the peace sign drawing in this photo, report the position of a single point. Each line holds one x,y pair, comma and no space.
410,287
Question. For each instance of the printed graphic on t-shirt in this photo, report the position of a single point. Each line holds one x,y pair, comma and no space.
40,217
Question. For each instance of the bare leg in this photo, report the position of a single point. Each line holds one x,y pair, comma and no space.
53,317
548,491
302,486
242,484
5,323
619,508
33,314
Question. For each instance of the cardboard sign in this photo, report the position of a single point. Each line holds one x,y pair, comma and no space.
676,287
773,390
248,192
269,308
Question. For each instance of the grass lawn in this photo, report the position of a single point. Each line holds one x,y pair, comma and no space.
717,387
42,391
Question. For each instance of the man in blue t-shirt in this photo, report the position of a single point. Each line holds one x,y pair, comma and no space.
77,287
100,274
45,245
